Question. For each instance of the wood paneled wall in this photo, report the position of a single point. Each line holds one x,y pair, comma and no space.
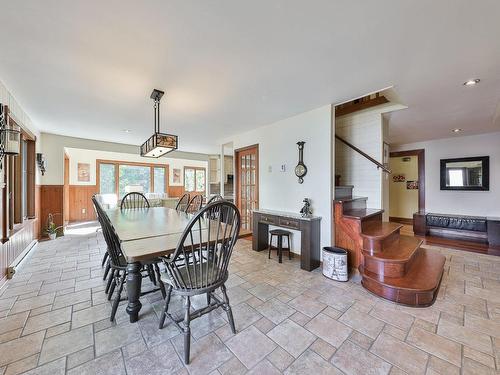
175,191
80,202
16,244
51,198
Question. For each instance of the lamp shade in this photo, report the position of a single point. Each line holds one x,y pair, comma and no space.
159,144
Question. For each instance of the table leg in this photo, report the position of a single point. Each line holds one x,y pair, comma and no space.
134,280
280,248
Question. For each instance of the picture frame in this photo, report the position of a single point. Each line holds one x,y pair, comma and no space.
83,172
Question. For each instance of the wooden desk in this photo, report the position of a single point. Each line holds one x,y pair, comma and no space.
146,234
309,229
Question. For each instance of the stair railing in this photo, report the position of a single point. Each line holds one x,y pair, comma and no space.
379,165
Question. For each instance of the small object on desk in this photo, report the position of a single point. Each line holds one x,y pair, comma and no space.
306,210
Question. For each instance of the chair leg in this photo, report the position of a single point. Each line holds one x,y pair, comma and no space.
209,298
118,296
165,310
104,258
106,271
270,245
151,274
187,330
110,280
228,310
113,285
158,277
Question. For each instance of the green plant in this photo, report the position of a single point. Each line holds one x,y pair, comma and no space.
51,226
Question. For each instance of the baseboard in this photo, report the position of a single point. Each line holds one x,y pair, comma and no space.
11,270
401,220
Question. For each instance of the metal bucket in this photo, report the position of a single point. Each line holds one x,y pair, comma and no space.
335,263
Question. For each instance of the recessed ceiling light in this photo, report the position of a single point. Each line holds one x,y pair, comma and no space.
457,130
127,130
472,82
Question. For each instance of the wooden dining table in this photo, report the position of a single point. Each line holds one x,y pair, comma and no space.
145,235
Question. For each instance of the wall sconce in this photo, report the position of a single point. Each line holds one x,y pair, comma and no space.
10,136
42,164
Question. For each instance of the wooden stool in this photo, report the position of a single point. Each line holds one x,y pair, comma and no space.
280,233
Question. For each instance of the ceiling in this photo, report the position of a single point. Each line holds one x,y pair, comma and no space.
86,68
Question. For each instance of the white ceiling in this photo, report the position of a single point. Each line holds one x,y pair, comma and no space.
86,68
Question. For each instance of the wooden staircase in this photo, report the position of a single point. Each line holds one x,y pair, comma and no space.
391,265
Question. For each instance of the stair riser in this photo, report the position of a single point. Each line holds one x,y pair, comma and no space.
388,268
354,205
375,245
404,297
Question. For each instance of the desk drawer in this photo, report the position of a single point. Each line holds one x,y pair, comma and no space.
289,223
267,219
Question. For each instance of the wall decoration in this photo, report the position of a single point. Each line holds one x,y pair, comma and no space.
176,176
400,177
83,172
301,169
385,159
412,185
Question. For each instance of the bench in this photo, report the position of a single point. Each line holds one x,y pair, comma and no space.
473,228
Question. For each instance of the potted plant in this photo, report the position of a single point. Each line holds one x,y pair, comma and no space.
52,227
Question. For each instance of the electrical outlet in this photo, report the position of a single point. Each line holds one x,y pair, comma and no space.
84,210
270,169
283,168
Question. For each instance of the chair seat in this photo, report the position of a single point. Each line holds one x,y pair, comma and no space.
280,232
197,282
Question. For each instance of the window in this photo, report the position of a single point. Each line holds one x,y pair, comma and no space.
134,178
107,180
116,177
159,180
194,179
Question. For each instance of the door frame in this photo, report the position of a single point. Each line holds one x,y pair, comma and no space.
420,153
238,173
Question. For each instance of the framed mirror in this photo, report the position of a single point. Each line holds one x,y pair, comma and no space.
466,173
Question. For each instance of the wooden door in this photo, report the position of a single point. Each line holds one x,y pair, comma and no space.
247,183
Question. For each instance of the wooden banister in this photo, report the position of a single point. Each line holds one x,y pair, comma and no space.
364,154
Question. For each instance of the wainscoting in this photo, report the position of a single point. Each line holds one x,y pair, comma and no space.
51,198
175,191
80,202
22,239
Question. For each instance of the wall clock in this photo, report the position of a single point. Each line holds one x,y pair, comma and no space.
301,169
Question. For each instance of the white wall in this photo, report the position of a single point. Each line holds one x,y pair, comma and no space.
53,147
364,130
77,155
277,146
483,203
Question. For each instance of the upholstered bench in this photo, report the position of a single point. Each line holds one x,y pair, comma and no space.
475,228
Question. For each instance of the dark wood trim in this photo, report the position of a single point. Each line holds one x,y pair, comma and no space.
256,145
360,104
364,154
401,220
420,153
31,173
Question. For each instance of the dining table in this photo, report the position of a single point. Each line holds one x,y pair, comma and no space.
145,235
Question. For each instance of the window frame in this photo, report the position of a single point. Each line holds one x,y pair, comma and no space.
117,164
195,169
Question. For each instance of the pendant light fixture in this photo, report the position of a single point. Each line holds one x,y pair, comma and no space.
158,144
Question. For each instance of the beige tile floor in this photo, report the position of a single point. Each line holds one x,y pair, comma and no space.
54,319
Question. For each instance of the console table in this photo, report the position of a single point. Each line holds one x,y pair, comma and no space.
309,228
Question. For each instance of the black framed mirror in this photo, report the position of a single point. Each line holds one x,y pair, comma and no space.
469,174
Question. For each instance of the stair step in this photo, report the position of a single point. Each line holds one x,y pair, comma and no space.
395,260
362,213
378,235
343,191
418,287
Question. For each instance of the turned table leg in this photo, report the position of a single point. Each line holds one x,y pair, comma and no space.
134,280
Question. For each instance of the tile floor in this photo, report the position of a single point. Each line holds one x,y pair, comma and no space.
54,319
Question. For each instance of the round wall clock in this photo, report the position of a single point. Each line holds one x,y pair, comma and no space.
301,169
